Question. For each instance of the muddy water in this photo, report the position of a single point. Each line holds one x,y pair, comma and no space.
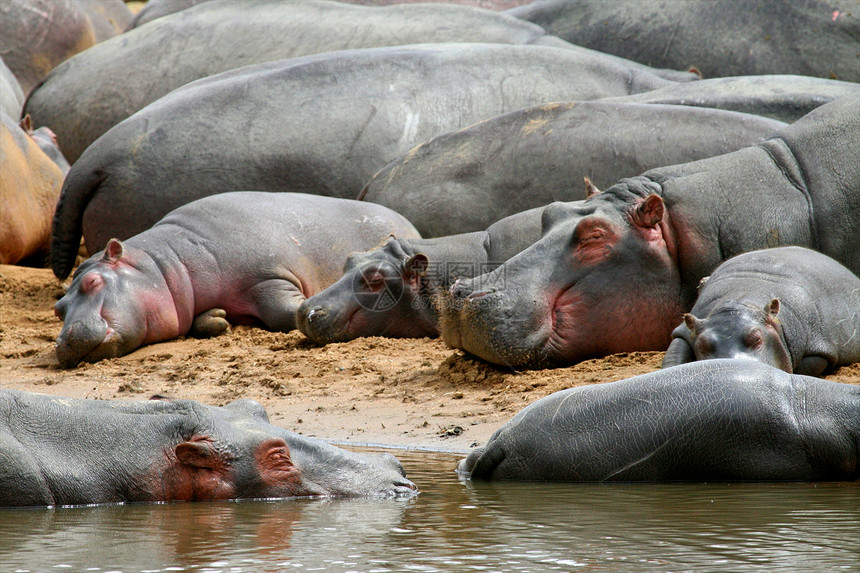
458,526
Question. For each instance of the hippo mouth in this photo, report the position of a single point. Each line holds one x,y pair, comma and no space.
74,347
324,327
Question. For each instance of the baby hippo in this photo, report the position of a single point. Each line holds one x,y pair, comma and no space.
790,307
243,257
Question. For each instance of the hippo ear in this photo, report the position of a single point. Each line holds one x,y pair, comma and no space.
274,462
417,264
590,188
199,454
772,308
113,251
693,323
649,212
26,124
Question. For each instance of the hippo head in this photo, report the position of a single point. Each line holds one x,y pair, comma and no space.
383,292
740,330
233,452
602,279
117,302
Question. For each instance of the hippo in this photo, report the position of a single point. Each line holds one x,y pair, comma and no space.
29,189
37,35
11,96
242,257
296,125
46,139
791,307
81,99
614,272
715,420
391,291
63,451
818,38
782,97
469,179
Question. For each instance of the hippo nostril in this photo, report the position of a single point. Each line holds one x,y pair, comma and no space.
314,313
479,294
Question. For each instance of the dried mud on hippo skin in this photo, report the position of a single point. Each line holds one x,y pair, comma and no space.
468,179
804,37
329,142
83,98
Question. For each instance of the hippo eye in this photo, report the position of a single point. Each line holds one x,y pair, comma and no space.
374,280
753,339
92,282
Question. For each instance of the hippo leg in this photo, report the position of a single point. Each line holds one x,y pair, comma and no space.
211,323
812,365
277,303
23,482
679,352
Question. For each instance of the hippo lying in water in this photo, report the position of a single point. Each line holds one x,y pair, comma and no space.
65,451
716,420
613,273
244,257
790,307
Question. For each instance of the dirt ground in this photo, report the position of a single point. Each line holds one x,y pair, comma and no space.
414,393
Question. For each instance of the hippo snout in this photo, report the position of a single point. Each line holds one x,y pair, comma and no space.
78,339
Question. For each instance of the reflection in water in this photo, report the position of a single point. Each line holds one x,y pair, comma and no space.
458,526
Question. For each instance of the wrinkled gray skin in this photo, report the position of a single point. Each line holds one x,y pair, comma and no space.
241,257
65,451
11,96
782,97
790,307
82,98
297,125
37,35
717,420
613,273
819,38
471,178
391,291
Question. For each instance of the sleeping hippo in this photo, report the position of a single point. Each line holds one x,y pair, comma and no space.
790,307
613,273
242,257
391,291
716,420
299,125
64,451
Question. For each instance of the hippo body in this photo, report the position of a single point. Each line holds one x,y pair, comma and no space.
716,420
29,189
718,37
81,99
65,451
391,291
790,307
633,255
242,257
782,97
297,125
11,96
469,179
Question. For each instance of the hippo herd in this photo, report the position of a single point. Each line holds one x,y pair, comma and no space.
559,181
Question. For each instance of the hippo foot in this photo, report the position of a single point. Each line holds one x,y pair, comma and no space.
211,323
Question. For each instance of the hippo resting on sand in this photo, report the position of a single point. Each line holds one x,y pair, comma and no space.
615,272
320,124
719,37
790,307
243,257
66,451
469,179
717,420
391,291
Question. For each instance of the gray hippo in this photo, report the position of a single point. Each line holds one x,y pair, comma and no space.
242,257
533,156
790,307
64,451
613,273
321,124
718,37
716,420
29,188
81,99
11,96
391,291
782,97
